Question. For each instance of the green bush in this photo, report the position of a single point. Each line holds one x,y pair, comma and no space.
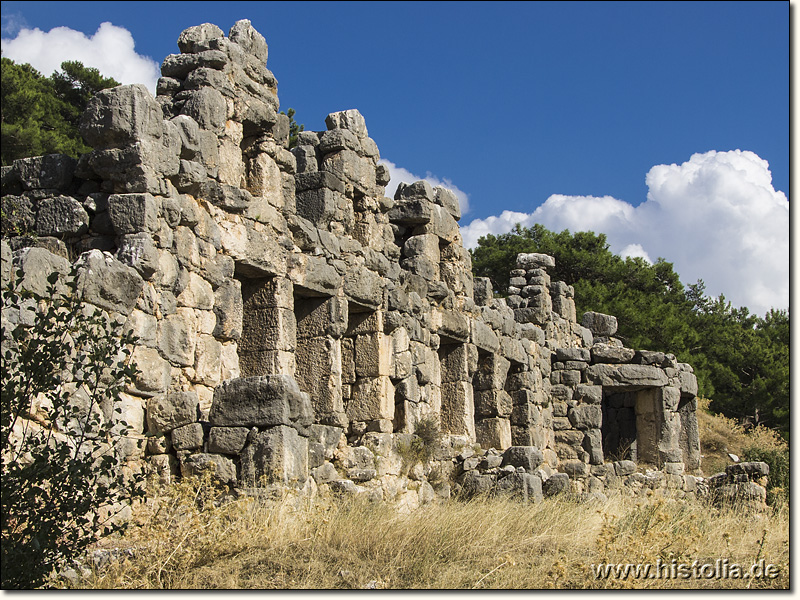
61,433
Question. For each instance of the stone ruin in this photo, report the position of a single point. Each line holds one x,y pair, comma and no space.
297,328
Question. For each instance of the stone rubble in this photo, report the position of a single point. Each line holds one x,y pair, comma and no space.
296,327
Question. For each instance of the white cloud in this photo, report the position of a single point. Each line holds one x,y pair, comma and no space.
399,174
110,50
716,217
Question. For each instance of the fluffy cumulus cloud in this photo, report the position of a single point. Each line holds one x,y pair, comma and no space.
716,217
399,174
110,50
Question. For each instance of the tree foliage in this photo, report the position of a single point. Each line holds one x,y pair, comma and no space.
40,114
741,361
62,434
294,128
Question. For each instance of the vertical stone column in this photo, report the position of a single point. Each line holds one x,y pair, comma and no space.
321,322
458,408
372,395
269,338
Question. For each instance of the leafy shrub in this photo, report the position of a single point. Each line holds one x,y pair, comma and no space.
61,435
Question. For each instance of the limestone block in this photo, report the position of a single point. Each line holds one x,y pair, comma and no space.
313,274
263,401
586,416
227,440
208,358
188,437
482,291
458,409
526,457
441,224
264,178
688,383
372,398
350,167
137,250
106,282
588,394
365,287
422,245
491,373
222,467
143,326
317,317
454,360
373,353
198,293
448,200
231,164
153,373
177,337
229,310
493,433
606,353
492,403
165,412
52,171
626,375
319,372
277,455
599,324
451,324
121,115
133,213
249,39
351,120
484,337
61,216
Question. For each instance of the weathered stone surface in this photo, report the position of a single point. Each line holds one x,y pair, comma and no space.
277,455
227,440
222,467
106,282
606,353
599,324
526,457
626,376
61,216
188,437
169,411
133,213
121,115
535,261
557,483
49,172
264,401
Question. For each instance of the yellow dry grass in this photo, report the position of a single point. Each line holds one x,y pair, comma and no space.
182,539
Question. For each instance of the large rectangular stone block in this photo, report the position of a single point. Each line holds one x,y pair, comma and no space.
458,409
492,403
319,372
373,353
277,455
491,373
454,360
372,398
493,433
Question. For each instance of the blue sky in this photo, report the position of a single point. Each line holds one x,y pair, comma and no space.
516,104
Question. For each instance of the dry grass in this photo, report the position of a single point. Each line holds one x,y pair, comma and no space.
182,540
721,435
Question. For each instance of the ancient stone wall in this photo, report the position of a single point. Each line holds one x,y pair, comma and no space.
297,328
